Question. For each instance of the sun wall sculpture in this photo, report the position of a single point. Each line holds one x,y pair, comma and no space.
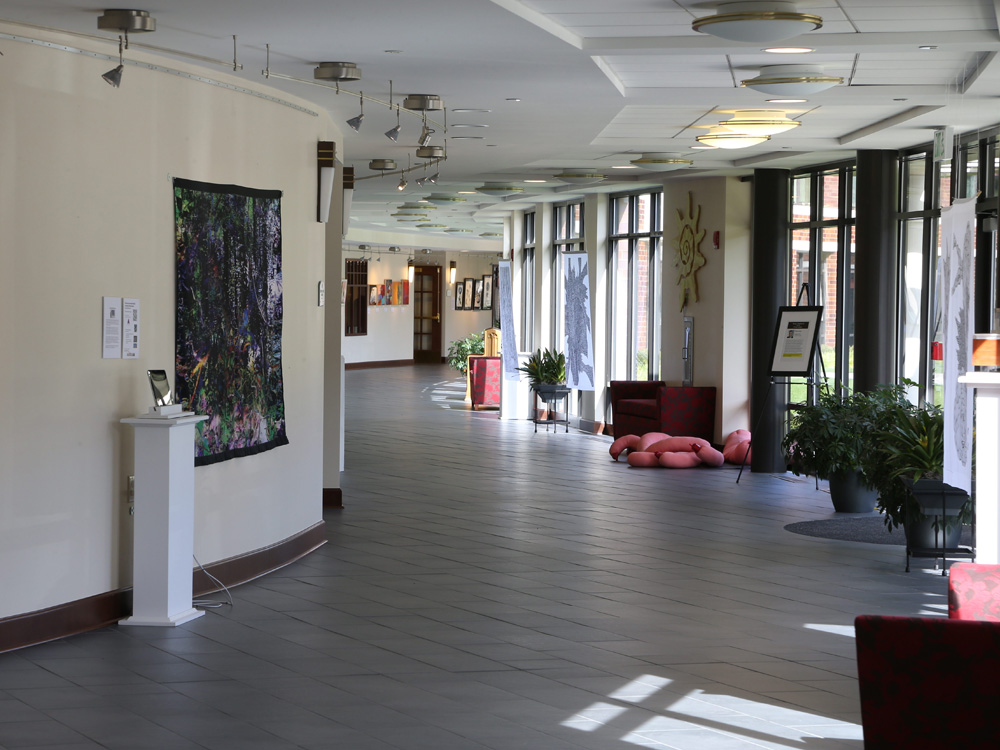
688,258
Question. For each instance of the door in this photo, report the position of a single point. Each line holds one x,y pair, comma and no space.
427,314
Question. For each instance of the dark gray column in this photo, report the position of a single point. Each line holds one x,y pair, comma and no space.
769,279
875,263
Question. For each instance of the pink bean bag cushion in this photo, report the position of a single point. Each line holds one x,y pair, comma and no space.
737,447
626,442
677,459
677,444
648,439
642,459
709,456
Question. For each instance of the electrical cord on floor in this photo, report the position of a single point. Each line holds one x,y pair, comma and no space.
211,603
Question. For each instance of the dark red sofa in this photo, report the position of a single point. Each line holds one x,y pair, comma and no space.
641,406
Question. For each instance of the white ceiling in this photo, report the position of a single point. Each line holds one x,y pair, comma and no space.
598,82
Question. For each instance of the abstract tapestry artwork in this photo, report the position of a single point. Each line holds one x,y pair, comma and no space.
229,315
579,334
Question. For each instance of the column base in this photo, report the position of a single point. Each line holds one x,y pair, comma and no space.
164,622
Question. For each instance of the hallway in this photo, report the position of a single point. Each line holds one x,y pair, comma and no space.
486,587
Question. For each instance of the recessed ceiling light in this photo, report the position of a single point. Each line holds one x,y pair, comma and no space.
624,166
703,148
467,137
466,192
513,99
901,99
789,50
393,51
536,180
927,46
466,109
468,125
786,101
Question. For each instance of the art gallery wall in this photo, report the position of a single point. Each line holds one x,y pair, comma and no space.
86,210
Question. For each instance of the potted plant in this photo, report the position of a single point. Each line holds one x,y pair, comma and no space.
910,450
459,351
833,438
546,370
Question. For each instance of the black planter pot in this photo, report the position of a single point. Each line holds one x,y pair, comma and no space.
920,533
849,493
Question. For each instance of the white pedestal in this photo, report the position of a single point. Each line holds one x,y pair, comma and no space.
164,520
987,385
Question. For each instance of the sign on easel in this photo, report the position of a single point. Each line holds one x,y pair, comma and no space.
795,336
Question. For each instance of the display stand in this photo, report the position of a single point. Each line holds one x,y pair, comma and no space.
987,385
551,395
163,546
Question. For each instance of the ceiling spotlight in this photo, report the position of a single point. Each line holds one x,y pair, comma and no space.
393,133
355,122
126,21
402,184
499,189
420,181
721,138
757,22
759,122
430,152
114,76
382,165
433,179
579,176
425,135
661,162
423,102
337,71
791,80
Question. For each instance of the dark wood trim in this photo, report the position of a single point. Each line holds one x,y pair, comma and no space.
380,363
243,568
101,610
333,498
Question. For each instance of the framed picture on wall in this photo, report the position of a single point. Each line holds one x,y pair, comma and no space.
488,292
459,296
373,294
477,295
468,294
388,292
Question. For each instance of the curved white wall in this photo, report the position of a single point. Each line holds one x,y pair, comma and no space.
86,211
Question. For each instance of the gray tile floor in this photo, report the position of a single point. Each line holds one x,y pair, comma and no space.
488,587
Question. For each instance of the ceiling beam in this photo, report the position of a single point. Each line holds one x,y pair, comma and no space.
888,122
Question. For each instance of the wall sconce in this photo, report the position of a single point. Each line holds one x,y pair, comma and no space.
410,270
326,155
452,272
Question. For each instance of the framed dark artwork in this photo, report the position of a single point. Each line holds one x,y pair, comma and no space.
229,317
460,296
488,292
373,294
468,293
388,292
477,295
795,336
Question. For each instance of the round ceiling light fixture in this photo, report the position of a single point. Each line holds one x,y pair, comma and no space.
126,21
499,189
757,22
661,162
491,234
416,207
759,122
791,80
423,102
456,230
579,176
430,152
382,165
433,227
444,199
337,71
722,138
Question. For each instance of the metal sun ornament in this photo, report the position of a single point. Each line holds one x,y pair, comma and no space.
688,258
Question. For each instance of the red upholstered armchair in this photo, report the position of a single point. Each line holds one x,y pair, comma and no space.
484,381
928,682
974,592
641,406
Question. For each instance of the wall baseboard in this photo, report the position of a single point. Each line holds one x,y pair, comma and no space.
101,610
379,363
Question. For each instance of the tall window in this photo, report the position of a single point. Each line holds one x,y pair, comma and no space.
823,202
356,303
568,239
528,285
636,258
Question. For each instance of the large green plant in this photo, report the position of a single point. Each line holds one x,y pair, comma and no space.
545,368
459,351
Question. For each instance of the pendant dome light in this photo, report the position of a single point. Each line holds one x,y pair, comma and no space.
791,80
579,176
661,162
722,138
444,199
759,122
499,189
337,71
757,22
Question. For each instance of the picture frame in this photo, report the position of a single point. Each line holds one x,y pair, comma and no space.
468,293
795,335
373,294
388,291
381,294
460,296
488,291
477,295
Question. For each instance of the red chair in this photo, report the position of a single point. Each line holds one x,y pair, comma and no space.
928,682
974,592
484,381
641,406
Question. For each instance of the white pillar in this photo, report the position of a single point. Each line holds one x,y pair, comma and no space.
987,386
164,520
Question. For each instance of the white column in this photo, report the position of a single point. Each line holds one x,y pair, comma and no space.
164,521
987,473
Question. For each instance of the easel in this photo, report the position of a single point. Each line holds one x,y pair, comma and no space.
812,316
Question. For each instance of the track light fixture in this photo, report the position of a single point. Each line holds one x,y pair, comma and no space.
393,133
355,122
114,76
337,71
425,134
433,179
402,184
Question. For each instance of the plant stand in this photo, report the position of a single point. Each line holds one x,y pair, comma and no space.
937,502
551,395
